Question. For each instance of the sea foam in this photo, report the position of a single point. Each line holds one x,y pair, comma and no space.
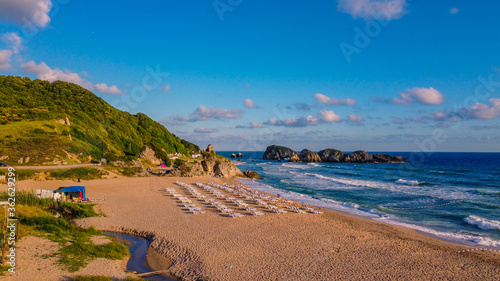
483,223
407,182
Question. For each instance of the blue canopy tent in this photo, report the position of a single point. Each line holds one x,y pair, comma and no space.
73,191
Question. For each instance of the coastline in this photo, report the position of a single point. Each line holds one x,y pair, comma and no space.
444,236
282,247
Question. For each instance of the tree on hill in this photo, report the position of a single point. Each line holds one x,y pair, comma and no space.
29,124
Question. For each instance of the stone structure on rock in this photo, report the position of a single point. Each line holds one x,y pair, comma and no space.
210,148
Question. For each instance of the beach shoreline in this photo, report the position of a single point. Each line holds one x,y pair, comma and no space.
290,246
444,236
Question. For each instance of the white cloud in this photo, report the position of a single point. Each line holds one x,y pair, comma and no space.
428,96
256,125
328,116
249,103
205,130
14,40
26,12
483,111
446,115
309,120
102,87
355,118
165,88
324,116
373,9
204,113
44,72
5,59
333,101
454,11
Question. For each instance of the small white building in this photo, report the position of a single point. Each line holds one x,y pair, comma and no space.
47,193
174,156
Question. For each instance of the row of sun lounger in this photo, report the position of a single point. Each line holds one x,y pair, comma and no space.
239,190
220,206
259,198
186,202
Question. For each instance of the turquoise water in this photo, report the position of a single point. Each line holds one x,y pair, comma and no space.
454,196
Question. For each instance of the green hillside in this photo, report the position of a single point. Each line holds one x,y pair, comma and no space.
32,116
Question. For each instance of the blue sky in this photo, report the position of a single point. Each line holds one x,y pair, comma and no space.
395,75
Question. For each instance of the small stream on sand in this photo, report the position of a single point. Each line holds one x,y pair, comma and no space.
138,251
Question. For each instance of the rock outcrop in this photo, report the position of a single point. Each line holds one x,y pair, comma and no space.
211,164
386,158
359,156
275,152
239,155
210,148
332,155
150,155
251,174
307,155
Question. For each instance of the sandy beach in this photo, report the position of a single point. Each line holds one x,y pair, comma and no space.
291,246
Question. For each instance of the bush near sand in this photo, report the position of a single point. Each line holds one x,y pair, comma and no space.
53,220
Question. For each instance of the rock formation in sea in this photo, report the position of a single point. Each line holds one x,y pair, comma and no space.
331,155
239,155
251,174
307,155
275,152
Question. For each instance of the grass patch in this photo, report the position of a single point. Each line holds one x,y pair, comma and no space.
84,173
25,174
37,217
4,268
130,171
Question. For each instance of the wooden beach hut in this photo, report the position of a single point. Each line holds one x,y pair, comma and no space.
73,192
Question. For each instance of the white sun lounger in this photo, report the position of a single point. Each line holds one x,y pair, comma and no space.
257,213
235,215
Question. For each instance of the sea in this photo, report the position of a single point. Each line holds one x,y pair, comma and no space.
452,196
